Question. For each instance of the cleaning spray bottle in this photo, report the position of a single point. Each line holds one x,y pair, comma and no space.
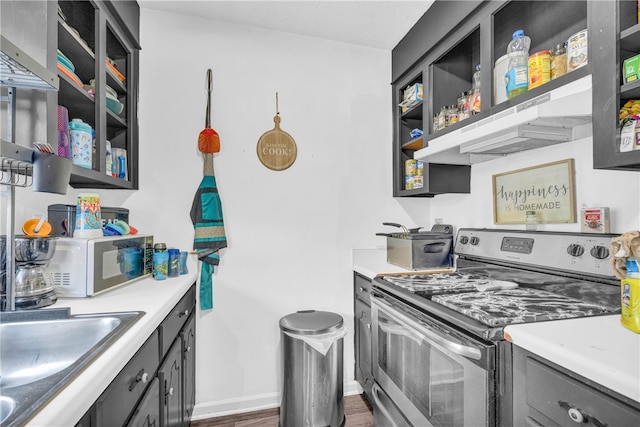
630,296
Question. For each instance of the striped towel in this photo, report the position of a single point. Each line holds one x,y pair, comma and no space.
206,216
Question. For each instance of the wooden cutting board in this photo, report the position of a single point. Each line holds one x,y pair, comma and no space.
276,148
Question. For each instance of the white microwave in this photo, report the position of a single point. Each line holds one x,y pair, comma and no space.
86,267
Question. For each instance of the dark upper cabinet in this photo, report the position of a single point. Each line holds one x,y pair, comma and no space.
445,61
103,46
127,14
616,37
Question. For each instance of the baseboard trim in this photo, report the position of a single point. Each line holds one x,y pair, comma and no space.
221,408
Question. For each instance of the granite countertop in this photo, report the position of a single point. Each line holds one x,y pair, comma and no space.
155,298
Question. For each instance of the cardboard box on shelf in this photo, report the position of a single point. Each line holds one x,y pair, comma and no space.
631,68
595,220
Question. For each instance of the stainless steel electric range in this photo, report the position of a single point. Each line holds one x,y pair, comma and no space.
439,354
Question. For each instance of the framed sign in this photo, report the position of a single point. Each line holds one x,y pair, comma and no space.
547,189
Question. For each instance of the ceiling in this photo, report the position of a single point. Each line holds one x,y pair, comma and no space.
373,23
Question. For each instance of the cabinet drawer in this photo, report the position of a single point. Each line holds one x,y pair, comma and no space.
362,288
566,401
171,325
115,405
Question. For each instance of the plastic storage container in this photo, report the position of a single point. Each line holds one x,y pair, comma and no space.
517,70
63,217
312,393
81,143
88,216
174,262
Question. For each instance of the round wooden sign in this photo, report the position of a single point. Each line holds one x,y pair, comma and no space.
276,148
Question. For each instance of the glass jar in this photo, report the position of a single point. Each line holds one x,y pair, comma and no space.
447,116
531,221
442,119
559,61
453,115
462,100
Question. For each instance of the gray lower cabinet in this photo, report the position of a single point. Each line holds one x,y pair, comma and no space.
116,404
545,394
147,414
189,368
153,389
362,328
170,375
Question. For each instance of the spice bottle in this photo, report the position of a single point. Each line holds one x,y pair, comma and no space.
559,61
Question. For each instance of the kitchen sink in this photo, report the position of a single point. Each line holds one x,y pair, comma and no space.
41,351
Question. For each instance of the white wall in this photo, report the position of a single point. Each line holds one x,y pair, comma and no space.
619,190
290,233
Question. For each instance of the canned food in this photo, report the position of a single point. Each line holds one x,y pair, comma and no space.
539,68
577,51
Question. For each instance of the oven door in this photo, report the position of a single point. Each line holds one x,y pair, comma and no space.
434,374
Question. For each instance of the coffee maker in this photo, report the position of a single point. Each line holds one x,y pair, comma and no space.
33,282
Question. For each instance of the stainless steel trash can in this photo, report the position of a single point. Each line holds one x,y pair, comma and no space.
312,392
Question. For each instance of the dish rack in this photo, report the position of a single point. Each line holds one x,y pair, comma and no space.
18,164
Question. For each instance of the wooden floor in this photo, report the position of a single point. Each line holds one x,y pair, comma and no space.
357,411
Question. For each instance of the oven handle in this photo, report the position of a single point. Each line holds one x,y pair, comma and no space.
459,349
379,405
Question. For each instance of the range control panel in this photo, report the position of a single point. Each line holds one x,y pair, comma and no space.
520,245
582,253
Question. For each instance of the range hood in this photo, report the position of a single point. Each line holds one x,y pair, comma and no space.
558,116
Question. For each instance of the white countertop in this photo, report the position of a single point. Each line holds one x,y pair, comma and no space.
598,348
371,262
155,298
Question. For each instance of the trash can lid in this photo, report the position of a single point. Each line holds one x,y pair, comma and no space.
311,322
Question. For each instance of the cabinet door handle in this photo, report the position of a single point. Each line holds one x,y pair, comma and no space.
188,349
578,416
142,377
183,313
361,289
170,391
